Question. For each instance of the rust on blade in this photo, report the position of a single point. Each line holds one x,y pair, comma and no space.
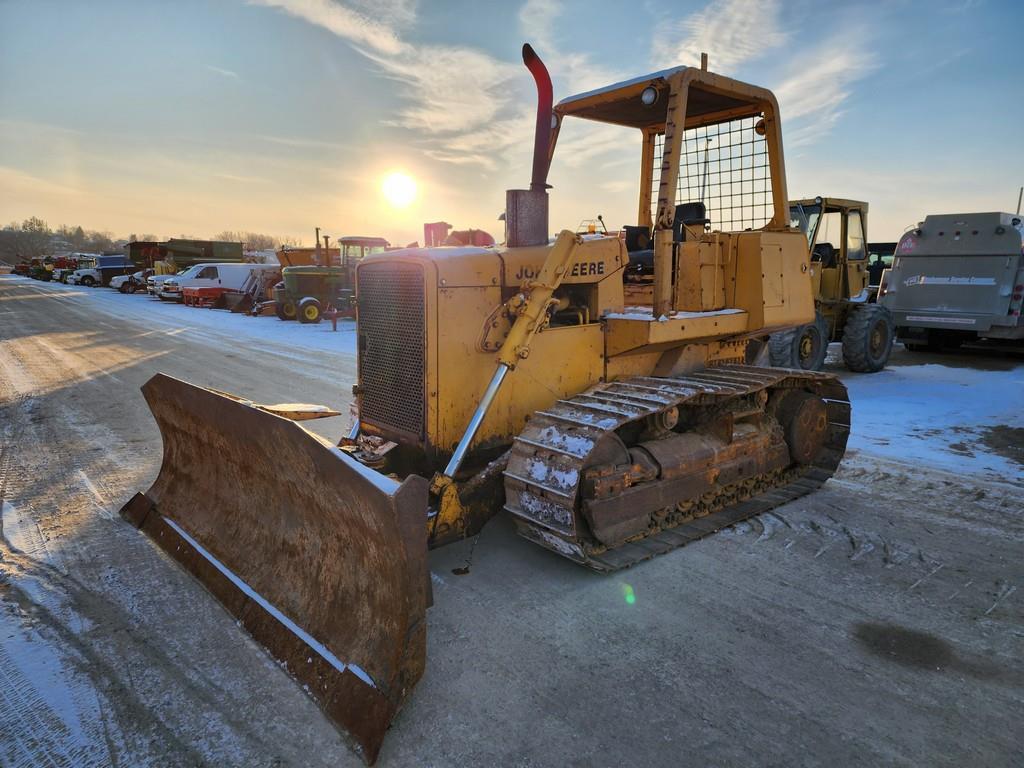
321,559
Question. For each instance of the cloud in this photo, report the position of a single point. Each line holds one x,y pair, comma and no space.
345,22
731,32
17,183
393,13
820,81
450,89
221,71
537,19
241,179
301,143
576,71
497,140
466,106
816,80
452,93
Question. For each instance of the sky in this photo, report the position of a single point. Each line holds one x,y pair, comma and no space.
277,116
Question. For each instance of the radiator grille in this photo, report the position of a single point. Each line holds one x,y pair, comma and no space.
392,342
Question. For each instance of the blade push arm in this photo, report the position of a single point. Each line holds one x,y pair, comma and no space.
531,307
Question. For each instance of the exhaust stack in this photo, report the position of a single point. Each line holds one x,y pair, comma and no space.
526,210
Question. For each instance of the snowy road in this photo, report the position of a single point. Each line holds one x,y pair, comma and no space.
878,621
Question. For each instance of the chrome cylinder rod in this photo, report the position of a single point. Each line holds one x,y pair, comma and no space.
474,423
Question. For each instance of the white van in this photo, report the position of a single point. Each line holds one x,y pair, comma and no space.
229,276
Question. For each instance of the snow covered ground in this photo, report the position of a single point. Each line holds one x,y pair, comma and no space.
211,325
923,408
957,412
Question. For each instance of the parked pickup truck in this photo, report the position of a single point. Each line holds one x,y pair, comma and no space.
155,282
231,277
102,271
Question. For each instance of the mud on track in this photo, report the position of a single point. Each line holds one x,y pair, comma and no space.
877,621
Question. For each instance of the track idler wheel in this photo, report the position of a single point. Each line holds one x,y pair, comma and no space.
804,420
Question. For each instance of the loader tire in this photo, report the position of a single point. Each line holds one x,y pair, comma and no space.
285,310
802,348
122,288
309,310
867,338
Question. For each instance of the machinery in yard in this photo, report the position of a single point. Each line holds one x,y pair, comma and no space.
132,283
306,292
517,378
845,310
958,278
100,270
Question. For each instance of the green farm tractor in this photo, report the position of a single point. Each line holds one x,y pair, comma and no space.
306,292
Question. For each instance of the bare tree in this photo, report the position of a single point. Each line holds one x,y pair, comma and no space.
253,241
25,241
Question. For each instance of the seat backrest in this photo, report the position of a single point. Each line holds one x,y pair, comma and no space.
637,238
826,254
688,215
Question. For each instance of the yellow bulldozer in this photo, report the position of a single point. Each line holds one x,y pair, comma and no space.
517,378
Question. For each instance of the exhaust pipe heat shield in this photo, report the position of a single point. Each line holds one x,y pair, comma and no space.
321,559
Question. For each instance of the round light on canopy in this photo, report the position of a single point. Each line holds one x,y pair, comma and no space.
649,95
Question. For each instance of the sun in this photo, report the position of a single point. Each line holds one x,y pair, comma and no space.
399,189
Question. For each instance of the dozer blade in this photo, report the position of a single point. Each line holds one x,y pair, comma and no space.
323,560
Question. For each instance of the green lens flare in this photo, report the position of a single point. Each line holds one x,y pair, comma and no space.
628,594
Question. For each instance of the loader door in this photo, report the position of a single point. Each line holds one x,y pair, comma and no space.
856,262
827,251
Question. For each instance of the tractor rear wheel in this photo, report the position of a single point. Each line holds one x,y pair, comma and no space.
309,310
867,338
802,348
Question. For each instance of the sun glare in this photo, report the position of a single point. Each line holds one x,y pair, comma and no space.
399,189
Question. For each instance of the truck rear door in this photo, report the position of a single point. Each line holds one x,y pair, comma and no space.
967,291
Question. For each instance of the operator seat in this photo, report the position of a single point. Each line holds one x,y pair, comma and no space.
641,257
826,254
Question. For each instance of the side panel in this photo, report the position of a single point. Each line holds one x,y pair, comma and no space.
700,276
770,280
562,362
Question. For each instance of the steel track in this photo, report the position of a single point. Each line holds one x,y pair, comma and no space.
542,480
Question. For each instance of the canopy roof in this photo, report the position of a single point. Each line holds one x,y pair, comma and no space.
369,242
620,103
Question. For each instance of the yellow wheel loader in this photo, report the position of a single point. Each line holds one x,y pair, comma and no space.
518,378
847,312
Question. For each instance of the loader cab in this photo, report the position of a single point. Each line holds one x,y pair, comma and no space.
836,232
354,249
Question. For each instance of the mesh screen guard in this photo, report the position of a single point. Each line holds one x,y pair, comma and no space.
725,167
